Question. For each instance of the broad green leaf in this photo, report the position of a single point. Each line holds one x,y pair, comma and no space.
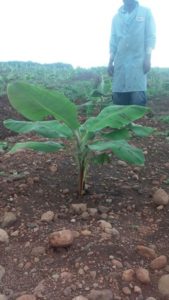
37,146
115,116
35,103
121,149
50,129
141,131
118,134
165,119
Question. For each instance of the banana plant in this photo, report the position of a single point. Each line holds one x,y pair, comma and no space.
98,139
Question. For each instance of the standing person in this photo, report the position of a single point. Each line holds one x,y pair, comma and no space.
131,43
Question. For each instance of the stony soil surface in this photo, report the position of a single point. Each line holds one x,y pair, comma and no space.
112,243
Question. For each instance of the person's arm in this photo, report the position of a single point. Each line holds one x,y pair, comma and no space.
113,46
150,40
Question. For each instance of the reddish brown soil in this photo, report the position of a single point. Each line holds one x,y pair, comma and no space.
126,191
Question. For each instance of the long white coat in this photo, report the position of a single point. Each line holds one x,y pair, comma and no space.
132,36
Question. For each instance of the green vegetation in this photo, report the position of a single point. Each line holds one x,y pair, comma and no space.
77,84
98,139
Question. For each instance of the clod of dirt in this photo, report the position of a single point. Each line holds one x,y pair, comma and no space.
47,216
79,208
143,275
104,225
146,252
8,219
160,197
63,238
128,275
159,262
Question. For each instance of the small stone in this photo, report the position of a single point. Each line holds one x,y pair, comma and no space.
76,234
85,215
3,297
93,274
26,297
146,252
115,232
67,291
163,285
47,216
103,209
2,272
137,290
66,276
39,290
104,225
160,207
37,251
100,295
92,211
128,275
9,219
15,233
81,271
121,163
160,197
62,238
4,238
55,277
126,291
53,168
117,264
143,275
79,208
86,232
159,262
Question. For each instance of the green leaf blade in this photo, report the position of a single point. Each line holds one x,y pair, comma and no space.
48,147
35,103
49,129
122,150
115,116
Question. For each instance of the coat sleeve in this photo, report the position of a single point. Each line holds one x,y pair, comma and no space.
113,38
150,32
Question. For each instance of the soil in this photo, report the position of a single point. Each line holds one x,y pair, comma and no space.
34,183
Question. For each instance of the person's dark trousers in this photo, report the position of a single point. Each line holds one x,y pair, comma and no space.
130,98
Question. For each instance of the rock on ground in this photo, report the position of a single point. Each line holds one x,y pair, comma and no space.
47,216
63,238
163,285
4,238
100,295
9,219
160,197
159,262
3,297
146,251
143,275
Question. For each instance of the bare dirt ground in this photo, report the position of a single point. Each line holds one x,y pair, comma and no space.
32,184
